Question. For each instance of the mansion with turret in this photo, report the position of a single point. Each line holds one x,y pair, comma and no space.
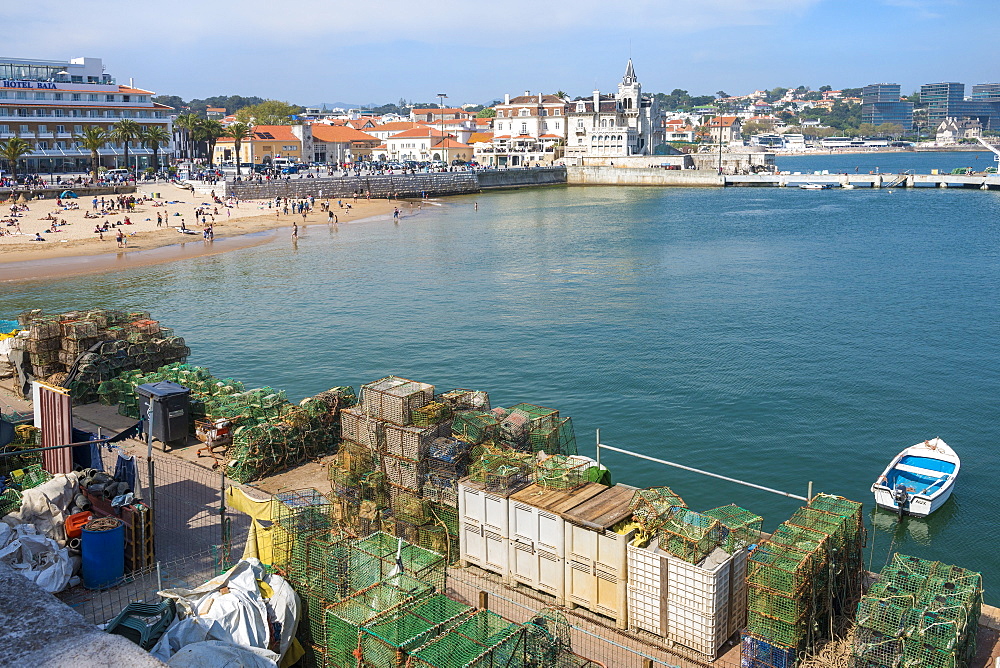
626,123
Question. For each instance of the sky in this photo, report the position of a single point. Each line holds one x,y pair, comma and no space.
313,51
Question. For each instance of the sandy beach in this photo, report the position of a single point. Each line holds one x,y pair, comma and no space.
77,238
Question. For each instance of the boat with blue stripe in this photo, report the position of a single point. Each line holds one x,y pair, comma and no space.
919,480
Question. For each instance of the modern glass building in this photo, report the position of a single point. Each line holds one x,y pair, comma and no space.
48,102
883,103
947,100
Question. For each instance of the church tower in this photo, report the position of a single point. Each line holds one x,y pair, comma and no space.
629,90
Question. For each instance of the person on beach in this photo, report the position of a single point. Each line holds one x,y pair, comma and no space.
395,214
329,216
159,219
120,238
295,231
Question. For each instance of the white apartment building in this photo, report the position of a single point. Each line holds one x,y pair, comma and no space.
47,102
528,129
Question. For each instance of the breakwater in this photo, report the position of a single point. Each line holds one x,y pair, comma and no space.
467,183
394,185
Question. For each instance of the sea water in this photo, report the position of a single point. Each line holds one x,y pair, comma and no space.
778,336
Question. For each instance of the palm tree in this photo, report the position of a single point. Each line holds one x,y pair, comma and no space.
93,139
239,132
13,150
154,136
211,130
125,131
189,123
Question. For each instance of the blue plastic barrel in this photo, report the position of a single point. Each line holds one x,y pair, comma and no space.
103,556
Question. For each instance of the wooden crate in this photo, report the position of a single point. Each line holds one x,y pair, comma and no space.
138,521
393,399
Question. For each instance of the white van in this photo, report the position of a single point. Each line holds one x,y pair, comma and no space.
118,172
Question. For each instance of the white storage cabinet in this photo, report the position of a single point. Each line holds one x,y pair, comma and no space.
596,557
483,526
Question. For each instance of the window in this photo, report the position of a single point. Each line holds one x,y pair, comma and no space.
525,112
580,107
557,125
558,112
61,129
43,145
4,129
57,96
3,94
40,96
92,97
4,111
78,129
60,144
43,128
543,112
21,95
76,97
126,98
524,128
109,98
142,98
58,112
545,126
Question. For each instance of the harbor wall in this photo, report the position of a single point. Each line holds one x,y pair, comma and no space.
516,178
625,176
379,186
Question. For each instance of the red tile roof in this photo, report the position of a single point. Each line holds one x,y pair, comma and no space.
339,134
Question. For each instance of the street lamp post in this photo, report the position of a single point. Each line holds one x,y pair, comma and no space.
441,99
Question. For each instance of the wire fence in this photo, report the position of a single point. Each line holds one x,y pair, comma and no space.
193,539
592,636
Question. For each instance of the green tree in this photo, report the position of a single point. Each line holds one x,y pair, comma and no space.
487,113
125,132
825,88
867,130
93,139
268,112
189,124
210,131
13,150
239,132
153,137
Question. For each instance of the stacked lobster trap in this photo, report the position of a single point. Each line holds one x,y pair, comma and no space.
86,348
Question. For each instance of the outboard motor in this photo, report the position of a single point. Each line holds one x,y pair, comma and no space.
901,497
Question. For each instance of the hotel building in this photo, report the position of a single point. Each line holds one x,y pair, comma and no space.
47,102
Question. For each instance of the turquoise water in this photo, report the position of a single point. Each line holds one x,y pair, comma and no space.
895,162
774,335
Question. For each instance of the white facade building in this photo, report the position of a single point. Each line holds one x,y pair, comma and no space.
49,102
627,123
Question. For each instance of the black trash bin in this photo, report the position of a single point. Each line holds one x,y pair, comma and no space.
171,411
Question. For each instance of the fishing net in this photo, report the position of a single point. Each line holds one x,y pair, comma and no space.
691,535
562,472
387,641
744,526
483,640
650,507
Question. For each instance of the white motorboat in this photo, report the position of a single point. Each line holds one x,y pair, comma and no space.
848,186
919,480
814,186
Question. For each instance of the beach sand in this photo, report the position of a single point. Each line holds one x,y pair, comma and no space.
77,238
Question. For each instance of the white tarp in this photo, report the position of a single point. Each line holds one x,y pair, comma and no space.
45,506
219,654
36,557
239,607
